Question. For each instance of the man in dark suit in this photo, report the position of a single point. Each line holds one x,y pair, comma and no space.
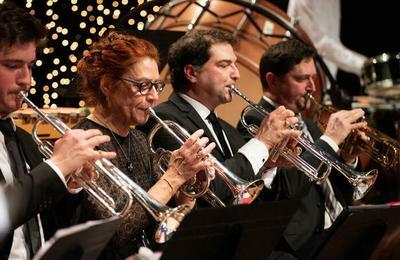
287,72
30,184
202,65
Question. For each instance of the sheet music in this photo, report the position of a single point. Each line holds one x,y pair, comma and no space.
65,232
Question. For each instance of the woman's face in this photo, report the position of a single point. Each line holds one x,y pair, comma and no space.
128,106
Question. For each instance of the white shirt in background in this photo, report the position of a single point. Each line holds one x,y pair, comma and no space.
320,19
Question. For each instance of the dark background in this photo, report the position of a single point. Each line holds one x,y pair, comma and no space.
368,27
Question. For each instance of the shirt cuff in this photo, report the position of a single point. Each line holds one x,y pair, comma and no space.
330,142
256,153
335,147
268,177
61,176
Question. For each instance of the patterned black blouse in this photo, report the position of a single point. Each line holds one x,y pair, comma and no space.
135,159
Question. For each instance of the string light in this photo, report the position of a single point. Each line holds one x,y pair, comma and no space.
71,33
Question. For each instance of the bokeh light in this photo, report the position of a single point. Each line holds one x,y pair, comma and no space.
73,26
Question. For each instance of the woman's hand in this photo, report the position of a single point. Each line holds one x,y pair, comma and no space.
184,164
190,158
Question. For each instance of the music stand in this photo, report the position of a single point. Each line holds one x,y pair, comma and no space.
360,232
83,241
250,231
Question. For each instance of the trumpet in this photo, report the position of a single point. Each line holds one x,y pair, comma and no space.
380,147
168,218
362,181
194,188
243,192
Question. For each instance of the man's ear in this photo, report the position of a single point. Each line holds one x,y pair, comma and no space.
272,81
190,73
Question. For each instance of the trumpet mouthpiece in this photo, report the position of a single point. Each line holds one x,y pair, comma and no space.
22,94
151,111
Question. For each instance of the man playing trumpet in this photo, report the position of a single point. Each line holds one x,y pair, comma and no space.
287,73
31,185
203,66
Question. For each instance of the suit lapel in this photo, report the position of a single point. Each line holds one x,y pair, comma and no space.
191,114
29,149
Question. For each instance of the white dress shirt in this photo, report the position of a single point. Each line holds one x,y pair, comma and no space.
4,217
320,19
254,150
19,249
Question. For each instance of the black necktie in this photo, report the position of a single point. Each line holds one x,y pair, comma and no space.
218,131
16,159
332,206
18,167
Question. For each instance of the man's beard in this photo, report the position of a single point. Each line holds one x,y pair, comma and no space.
303,104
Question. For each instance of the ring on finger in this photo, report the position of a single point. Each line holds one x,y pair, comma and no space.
198,156
178,157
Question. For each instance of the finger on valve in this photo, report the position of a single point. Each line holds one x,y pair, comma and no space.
86,173
292,135
198,150
188,151
208,149
361,135
291,121
193,138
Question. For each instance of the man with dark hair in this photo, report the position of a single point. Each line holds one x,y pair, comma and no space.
30,184
287,73
203,66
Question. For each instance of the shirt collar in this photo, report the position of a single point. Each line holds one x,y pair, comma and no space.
270,101
202,110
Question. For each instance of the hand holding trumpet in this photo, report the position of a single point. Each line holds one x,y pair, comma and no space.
189,158
341,124
75,151
275,127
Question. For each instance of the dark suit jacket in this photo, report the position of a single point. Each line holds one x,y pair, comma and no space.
178,110
32,193
290,183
